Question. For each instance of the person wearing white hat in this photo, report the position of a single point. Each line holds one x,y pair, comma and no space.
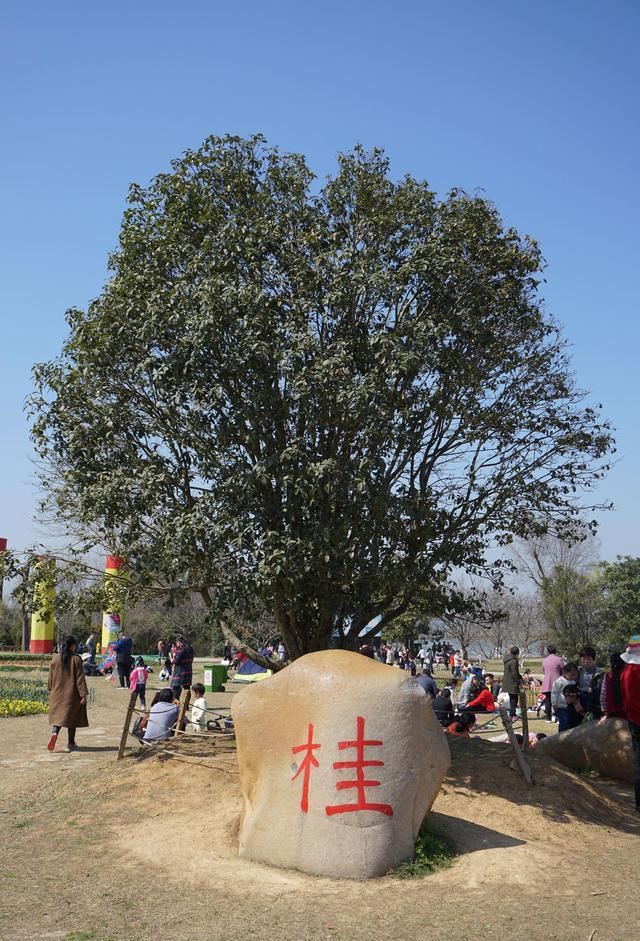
630,688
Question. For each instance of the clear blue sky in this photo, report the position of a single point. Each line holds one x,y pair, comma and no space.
535,102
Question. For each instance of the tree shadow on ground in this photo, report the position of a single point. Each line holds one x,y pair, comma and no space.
560,794
468,837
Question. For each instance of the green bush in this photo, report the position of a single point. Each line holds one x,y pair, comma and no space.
23,668
24,689
433,852
24,657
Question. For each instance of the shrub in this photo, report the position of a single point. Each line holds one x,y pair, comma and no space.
433,852
30,690
10,708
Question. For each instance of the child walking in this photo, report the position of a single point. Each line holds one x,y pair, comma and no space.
138,681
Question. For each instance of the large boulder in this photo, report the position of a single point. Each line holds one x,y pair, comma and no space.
605,748
340,759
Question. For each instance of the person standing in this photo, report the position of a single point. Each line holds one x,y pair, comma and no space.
123,648
182,667
589,691
68,694
457,664
630,688
92,643
551,671
138,681
161,651
511,679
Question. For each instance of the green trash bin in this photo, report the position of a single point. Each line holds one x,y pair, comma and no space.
215,674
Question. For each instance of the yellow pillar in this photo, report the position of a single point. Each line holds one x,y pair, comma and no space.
42,622
112,619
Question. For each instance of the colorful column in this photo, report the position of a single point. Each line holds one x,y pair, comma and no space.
3,549
42,622
112,618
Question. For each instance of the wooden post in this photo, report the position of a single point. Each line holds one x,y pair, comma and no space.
184,705
524,715
127,724
511,735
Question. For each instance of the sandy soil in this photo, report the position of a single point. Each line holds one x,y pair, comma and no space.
145,849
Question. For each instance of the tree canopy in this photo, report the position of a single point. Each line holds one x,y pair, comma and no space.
314,400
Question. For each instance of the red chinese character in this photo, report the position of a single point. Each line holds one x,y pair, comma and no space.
308,760
360,783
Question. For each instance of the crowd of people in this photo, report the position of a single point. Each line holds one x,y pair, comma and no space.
68,686
570,692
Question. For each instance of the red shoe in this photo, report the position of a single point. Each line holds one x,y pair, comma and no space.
52,741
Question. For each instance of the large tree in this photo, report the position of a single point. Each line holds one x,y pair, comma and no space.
572,609
314,400
619,583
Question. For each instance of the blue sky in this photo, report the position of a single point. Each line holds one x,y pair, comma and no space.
535,102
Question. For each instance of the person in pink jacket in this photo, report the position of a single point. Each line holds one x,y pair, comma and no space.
551,671
138,680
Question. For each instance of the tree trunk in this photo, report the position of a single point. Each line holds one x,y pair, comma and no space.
26,631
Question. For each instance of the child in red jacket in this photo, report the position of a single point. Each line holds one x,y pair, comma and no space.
630,688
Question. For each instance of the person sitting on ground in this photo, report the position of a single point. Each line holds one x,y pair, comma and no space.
468,689
427,682
495,685
482,701
162,717
530,681
575,710
198,709
443,707
462,726
569,675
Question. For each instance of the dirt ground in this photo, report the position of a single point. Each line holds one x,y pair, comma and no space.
145,849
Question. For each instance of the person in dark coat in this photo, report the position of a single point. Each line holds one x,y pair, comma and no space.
68,694
182,667
443,707
511,679
123,649
427,682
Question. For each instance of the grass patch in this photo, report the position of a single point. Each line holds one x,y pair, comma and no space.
433,852
17,668
589,773
27,688
21,824
25,657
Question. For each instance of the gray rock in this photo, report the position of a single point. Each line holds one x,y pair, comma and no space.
605,748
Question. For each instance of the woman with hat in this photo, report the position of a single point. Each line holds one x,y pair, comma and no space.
630,688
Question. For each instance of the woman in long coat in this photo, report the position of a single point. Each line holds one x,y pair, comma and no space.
68,694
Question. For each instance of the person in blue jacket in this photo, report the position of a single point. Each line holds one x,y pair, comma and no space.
123,648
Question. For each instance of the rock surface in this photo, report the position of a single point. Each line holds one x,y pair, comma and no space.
605,748
340,759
